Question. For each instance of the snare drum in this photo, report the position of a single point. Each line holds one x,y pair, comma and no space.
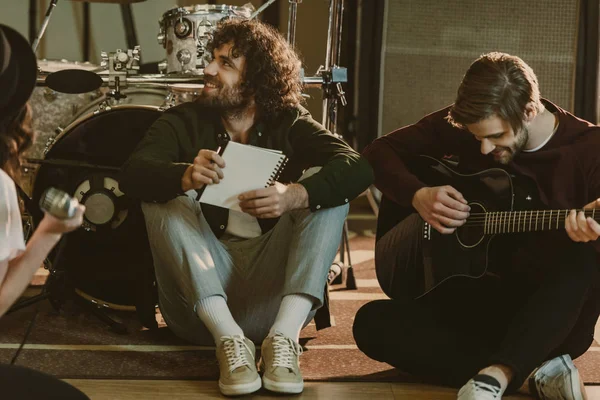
186,31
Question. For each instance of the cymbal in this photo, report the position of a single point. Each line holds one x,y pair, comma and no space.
111,1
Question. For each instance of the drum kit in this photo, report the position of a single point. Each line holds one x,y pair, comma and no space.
89,118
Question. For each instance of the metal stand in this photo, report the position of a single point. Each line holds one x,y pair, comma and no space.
291,37
129,24
330,77
36,42
333,76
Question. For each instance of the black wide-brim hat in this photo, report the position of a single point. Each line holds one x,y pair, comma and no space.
18,72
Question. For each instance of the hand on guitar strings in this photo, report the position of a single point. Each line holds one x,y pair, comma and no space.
443,207
581,228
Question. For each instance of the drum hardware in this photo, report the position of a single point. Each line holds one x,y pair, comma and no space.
36,41
262,8
333,76
120,64
291,37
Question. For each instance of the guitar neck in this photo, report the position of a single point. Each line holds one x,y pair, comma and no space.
524,221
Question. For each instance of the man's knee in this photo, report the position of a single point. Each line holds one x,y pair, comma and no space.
175,214
367,325
177,206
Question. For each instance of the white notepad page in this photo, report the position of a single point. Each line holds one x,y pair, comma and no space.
246,168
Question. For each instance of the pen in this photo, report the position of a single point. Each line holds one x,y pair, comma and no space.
199,192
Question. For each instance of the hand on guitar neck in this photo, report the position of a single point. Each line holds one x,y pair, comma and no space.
443,207
581,227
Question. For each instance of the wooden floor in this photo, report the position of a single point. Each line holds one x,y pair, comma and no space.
184,390
188,390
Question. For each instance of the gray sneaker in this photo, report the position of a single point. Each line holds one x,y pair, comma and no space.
280,364
238,374
557,379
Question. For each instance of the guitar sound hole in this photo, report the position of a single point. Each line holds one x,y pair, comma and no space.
472,232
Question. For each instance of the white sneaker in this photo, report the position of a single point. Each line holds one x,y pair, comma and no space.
476,390
238,374
557,379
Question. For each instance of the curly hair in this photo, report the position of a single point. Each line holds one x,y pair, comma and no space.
16,136
272,73
496,84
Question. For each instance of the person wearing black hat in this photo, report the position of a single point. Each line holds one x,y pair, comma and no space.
18,263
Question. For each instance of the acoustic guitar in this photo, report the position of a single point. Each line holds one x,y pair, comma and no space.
501,204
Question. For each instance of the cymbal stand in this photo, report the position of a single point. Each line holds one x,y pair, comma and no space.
333,77
291,36
36,42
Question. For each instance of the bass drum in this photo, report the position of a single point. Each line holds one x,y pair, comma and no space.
109,261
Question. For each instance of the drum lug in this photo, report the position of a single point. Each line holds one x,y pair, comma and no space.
50,95
51,140
184,57
161,38
104,59
102,107
162,66
168,103
86,226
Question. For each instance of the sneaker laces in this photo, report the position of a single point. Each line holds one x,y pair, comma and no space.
233,347
285,352
485,391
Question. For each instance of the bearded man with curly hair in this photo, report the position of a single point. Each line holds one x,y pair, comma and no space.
240,278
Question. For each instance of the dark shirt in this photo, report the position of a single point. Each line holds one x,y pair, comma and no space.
154,170
566,170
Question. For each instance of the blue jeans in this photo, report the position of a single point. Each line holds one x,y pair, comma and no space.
252,275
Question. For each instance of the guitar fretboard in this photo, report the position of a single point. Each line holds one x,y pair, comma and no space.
523,221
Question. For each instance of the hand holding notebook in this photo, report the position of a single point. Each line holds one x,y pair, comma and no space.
246,168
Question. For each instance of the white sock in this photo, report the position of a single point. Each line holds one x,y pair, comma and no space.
293,311
214,313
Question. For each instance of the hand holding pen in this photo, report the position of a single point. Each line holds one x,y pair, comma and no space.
206,170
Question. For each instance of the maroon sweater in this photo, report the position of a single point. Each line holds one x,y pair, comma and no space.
566,169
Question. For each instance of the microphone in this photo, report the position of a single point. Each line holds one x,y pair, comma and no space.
58,203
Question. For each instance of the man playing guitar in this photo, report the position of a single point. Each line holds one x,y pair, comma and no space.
535,302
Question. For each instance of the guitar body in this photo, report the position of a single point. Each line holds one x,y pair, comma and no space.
465,253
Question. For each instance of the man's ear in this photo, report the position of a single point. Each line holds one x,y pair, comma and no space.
530,112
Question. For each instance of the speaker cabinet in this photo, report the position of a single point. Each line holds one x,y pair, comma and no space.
428,45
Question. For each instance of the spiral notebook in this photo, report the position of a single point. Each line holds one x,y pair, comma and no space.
246,168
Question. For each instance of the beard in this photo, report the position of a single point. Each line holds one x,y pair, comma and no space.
506,154
226,99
